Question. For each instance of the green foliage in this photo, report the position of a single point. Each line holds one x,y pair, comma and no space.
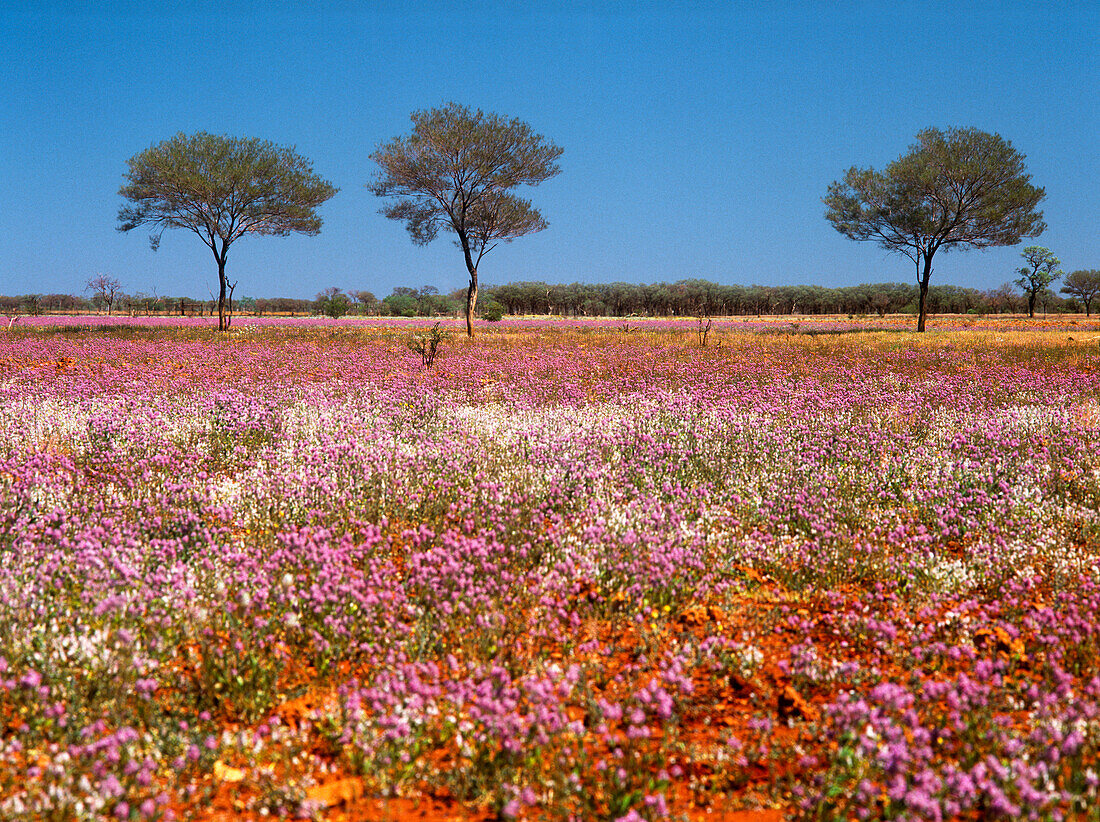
456,172
1084,285
426,344
337,306
423,302
332,302
222,188
401,305
492,311
962,188
1041,270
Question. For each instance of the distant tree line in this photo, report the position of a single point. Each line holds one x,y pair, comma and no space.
703,298
692,298
684,298
141,304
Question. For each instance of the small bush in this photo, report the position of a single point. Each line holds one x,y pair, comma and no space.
492,311
426,344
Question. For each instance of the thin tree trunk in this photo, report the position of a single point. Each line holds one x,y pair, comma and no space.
221,294
229,316
925,276
471,293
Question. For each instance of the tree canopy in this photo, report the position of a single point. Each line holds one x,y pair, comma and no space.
1084,285
960,188
456,171
1041,270
222,188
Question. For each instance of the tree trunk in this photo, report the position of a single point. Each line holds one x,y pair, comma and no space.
471,293
229,316
925,277
221,294
471,303
1031,305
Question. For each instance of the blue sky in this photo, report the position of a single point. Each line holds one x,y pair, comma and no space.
699,137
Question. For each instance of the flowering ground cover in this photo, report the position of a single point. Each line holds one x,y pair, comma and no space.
775,324
595,573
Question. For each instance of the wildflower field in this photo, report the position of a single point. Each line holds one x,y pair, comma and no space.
569,572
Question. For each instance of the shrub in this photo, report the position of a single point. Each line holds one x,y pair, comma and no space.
426,344
492,311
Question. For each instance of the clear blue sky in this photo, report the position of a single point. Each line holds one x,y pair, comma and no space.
699,137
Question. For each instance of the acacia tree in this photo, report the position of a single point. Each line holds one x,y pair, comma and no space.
1041,270
104,290
962,188
1084,285
456,172
222,188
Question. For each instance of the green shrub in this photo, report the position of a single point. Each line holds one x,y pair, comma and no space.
492,311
